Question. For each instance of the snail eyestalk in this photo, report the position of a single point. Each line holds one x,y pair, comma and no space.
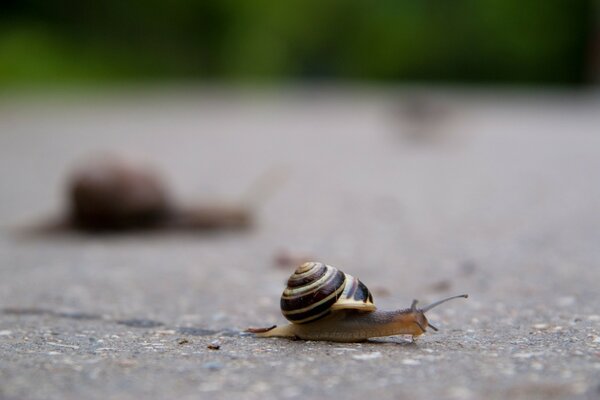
413,305
432,327
437,303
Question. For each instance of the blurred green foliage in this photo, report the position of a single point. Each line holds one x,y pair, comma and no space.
45,41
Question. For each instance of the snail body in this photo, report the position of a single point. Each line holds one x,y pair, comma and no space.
324,303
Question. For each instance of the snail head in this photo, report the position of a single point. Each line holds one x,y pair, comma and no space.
419,313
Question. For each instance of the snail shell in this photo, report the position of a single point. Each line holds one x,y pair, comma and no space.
315,290
110,192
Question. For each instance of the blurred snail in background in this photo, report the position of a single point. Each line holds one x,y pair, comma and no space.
324,303
111,194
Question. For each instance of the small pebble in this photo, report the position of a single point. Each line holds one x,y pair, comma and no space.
214,345
593,317
183,341
5,333
367,356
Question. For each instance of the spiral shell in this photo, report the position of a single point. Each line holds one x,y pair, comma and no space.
315,290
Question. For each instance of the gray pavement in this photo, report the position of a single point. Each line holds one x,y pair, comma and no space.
492,194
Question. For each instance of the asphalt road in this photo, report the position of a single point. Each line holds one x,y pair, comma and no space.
419,195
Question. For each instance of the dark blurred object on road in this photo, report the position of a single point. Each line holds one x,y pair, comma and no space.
113,194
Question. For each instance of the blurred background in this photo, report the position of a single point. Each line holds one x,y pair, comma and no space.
486,41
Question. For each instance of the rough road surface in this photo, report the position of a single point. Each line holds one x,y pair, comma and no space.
420,196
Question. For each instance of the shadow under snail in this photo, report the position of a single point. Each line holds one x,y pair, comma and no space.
324,303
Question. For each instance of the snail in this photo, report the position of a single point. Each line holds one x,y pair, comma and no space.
109,193
324,303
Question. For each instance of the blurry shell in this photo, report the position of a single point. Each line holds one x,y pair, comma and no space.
110,193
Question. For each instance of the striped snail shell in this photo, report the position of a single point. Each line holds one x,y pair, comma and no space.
315,290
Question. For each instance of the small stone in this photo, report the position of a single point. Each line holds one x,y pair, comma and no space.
596,339
215,345
593,317
540,327
410,361
5,333
183,341
367,356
